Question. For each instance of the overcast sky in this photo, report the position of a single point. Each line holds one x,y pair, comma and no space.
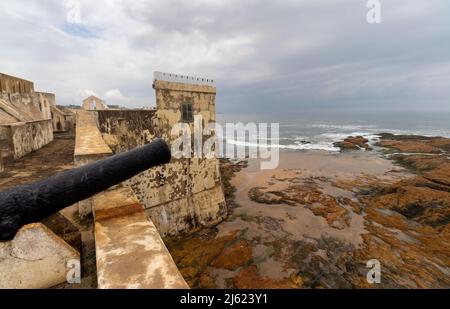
273,56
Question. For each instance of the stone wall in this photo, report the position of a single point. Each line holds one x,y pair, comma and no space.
25,118
19,139
5,141
129,250
126,129
47,101
62,122
24,107
186,194
11,84
2,166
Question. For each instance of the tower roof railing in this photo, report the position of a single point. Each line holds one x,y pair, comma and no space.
179,78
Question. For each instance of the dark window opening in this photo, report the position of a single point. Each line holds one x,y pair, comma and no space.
186,112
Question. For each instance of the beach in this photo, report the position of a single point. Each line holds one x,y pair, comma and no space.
317,219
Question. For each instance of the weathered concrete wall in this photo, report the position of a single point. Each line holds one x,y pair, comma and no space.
11,84
24,117
89,144
61,121
129,250
89,147
46,101
2,166
195,198
186,194
19,139
6,148
23,107
182,196
126,129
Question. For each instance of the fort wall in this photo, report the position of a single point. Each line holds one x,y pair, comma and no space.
129,250
126,129
19,139
25,117
186,194
11,84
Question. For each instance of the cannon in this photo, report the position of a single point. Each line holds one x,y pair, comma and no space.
34,202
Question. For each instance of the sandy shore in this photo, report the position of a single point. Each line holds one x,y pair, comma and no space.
298,223
314,222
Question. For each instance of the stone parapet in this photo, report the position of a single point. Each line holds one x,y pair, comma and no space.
130,252
89,144
89,147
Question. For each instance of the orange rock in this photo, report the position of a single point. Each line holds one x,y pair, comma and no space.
248,278
440,175
353,143
234,256
420,162
410,146
194,255
320,204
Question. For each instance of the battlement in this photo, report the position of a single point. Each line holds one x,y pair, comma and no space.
183,79
12,84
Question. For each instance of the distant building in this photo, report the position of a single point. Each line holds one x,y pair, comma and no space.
94,103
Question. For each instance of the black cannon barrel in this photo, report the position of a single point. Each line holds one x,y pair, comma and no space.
34,202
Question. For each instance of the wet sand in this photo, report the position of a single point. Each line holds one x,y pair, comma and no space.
298,223
316,220
273,229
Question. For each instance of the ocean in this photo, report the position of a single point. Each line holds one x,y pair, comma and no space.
319,130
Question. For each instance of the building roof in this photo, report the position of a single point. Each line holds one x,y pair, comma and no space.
92,97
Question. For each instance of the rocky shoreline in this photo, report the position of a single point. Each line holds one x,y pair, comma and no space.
317,226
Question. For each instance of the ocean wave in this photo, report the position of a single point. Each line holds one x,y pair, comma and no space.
327,146
343,126
324,140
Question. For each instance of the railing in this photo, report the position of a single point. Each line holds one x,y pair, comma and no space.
185,79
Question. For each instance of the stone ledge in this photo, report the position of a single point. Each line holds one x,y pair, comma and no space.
89,144
89,147
129,250
35,259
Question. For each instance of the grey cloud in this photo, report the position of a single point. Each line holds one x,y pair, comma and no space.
264,54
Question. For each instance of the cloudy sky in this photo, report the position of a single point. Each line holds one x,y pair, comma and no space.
288,55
